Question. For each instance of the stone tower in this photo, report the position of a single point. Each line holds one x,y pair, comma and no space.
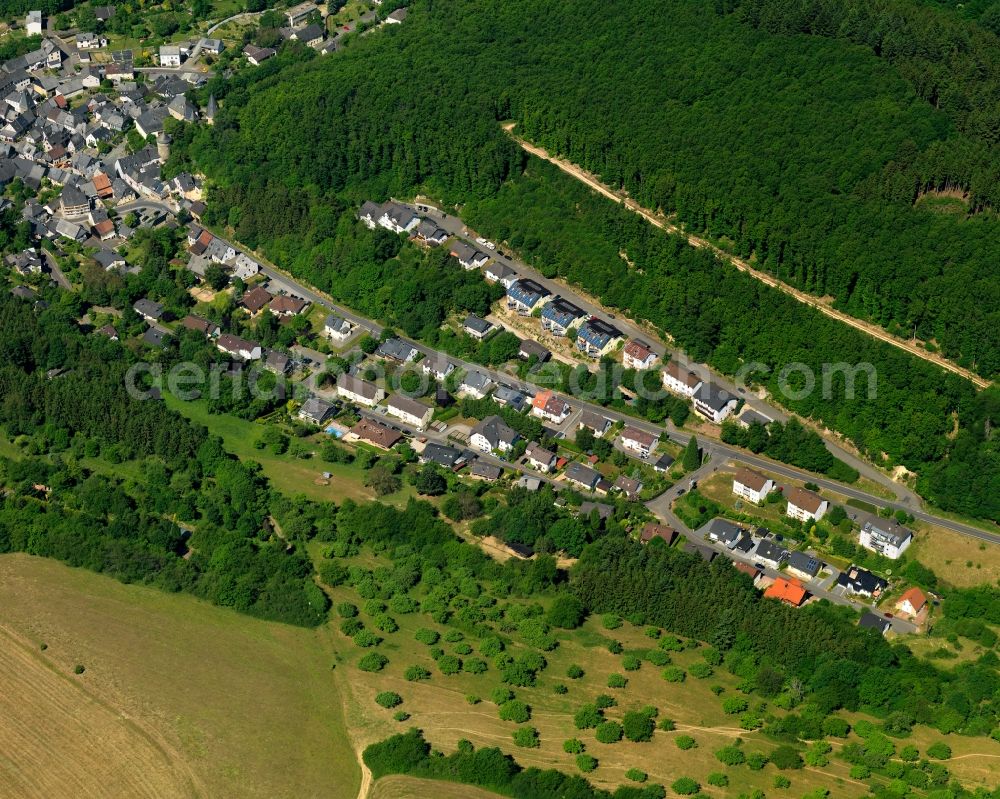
163,145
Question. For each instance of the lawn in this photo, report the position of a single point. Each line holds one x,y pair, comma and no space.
178,698
398,786
957,559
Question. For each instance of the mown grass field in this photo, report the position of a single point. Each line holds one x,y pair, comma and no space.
178,699
400,787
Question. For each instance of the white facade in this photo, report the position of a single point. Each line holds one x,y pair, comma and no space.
750,487
680,381
33,24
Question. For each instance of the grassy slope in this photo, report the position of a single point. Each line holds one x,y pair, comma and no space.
249,706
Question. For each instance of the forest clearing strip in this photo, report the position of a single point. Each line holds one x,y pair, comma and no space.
695,241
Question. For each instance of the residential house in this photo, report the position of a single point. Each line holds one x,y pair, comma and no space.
237,347
770,554
869,621
559,315
582,476
256,300
805,505
510,398
598,424
804,565
378,435
395,349
245,267
492,433
724,532
284,305
398,218
540,458
532,349
706,553
213,46
481,470
315,410
26,262
884,536
912,602
639,355
752,486
525,294
427,231
360,392
476,384
603,511
497,272
597,337
409,411
861,582
203,326
258,55
638,441
155,337
442,455
277,362
468,256
148,310
33,23
337,328
73,202
713,403
529,483
653,530
108,331
547,405
437,367
397,17
476,327
90,41
629,486
789,591
749,416
663,464
170,55
369,214
680,380
297,15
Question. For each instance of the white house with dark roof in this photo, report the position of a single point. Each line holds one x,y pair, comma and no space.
540,458
598,424
337,328
476,327
492,433
437,367
409,411
884,536
315,410
468,256
638,441
476,384
715,404
582,476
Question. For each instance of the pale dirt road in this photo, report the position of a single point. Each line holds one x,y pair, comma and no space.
807,299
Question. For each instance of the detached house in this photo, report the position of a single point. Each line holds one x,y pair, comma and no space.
284,305
245,267
476,327
476,384
468,256
861,582
496,272
409,411
492,433
376,434
337,328
680,380
256,300
429,232
395,217
148,310
442,455
315,410
639,355
547,405
804,565
437,367
395,349
770,554
652,530
791,592
597,424
713,403
582,476
629,486
806,505
752,486
638,441
540,458
597,337
239,348
200,325
360,392
869,621
559,315
884,536
912,602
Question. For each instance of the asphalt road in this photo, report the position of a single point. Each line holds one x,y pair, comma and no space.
57,273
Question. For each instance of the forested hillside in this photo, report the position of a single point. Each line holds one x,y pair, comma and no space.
780,141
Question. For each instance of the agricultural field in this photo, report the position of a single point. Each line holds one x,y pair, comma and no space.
193,700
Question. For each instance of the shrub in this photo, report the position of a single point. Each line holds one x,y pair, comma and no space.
351,627
575,672
403,604
609,732
939,751
449,664
462,649
588,717
388,699
611,621
638,726
667,725
836,727
475,666
78,669
909,753
674,674
636,775
712,656
617,681
685,742
366,639
603,701
756,761
425,636
631,663
860,771
733,705
560,688
586,763
615,647
515,710
653,632
573,746
781,781
701,670
373,661
374,607
400,715
347,610
491,647
454,636
472,699
658,657
731,756
669,643
786,757
384,623
414,673
685,786
567,612
501,694
718,779
526,737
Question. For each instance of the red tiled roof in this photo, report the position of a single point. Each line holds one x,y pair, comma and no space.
790,591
